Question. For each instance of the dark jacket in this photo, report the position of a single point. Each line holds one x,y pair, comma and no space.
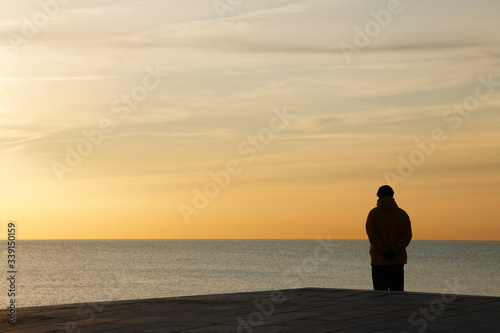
388,227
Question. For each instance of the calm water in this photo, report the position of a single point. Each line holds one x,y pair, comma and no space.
55,272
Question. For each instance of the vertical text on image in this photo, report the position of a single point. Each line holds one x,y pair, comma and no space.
11,271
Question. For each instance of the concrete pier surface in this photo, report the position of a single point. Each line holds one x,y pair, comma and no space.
298,310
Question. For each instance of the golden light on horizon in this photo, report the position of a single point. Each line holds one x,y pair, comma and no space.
180,124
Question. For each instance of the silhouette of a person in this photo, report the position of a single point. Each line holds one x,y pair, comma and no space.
389,231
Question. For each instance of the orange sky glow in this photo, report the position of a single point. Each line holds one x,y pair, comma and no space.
272,120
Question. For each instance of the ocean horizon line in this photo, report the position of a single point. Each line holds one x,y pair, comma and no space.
240,239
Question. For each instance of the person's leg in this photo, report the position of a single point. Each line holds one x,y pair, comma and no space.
379,277
396,278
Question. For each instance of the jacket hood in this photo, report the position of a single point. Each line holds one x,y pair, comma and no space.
387,203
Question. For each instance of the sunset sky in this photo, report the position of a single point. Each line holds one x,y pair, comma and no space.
267,119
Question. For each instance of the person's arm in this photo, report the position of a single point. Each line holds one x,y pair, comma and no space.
373,236
405,238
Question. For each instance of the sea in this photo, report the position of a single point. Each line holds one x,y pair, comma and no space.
76,271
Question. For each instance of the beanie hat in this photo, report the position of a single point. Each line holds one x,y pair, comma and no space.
385,190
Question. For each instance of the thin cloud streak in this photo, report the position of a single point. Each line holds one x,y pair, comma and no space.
59,78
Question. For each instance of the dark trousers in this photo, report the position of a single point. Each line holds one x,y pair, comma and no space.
388,277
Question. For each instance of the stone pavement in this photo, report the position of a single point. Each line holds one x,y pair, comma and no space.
298,310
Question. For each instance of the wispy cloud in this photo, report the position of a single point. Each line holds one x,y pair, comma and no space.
58,78
12,140
101,10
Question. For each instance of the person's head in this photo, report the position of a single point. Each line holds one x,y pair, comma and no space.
385,190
